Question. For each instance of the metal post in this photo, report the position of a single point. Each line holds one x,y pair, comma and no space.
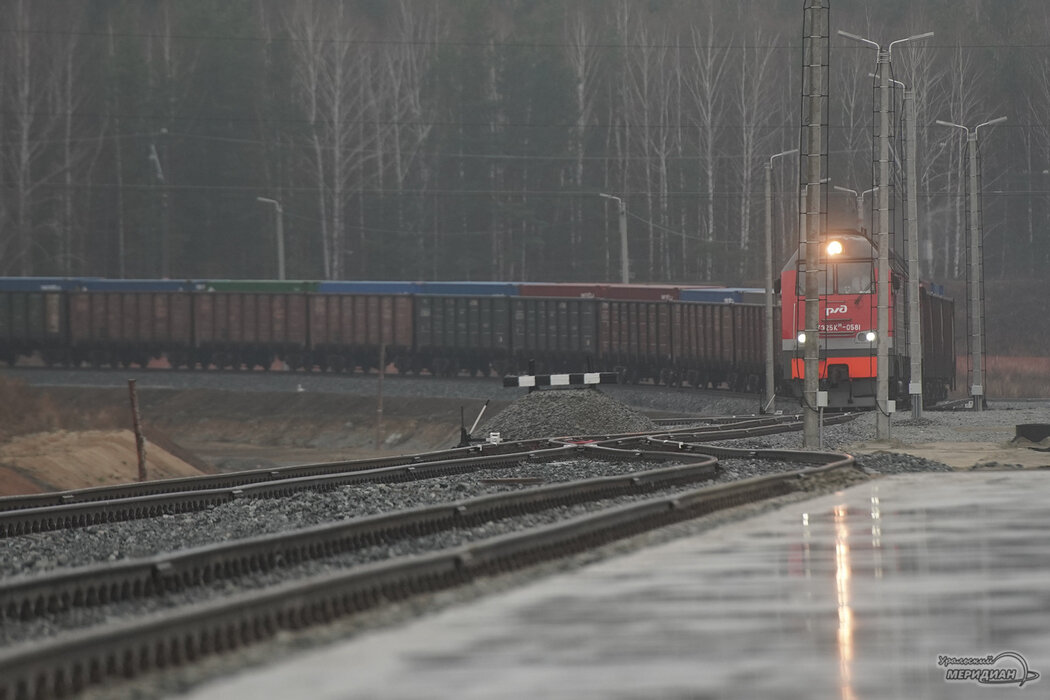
975,282
885,277
379,397
977,388
625,275
858,198
136,422
280,243
882,351
914,324
279,213
771,394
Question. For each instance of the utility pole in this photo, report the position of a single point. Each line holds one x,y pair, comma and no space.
625,276
911,184
771,395
815,59
883,406
975,283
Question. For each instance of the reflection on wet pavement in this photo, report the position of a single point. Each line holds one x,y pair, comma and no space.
853,595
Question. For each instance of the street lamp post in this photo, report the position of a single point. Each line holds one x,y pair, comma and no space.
976,280
280,232
771,394
885,57
859,202
915,342
624,270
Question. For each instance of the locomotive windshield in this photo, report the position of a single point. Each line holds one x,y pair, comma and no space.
841,278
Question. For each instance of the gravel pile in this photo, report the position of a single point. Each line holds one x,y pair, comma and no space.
561,412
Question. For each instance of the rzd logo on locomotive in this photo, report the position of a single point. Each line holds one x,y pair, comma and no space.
840,309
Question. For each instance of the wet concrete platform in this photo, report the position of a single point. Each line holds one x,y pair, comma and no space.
853,595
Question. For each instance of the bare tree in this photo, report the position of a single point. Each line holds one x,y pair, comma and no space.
705,87
584,60
1037,150
416,31
962,98
37,146
754,102
332,78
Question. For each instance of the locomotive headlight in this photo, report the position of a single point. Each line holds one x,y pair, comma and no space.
835,248
867,337
802,338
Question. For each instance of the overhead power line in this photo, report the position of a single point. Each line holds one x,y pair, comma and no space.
442,43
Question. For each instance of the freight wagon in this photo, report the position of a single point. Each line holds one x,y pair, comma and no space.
707,337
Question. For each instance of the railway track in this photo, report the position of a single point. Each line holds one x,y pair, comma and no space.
57,666
85,507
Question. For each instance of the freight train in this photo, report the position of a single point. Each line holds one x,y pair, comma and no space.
848,326
704,337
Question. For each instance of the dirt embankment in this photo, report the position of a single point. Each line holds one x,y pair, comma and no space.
62,460
44,446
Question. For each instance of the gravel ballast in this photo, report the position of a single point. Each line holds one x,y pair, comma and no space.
173,532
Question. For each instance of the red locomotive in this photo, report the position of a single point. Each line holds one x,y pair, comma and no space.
848,326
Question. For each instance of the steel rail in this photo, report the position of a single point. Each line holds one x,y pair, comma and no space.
255,476
252,476
136,501
735,428
68,663
74,515
28,597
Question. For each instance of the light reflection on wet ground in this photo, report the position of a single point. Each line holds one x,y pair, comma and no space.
853,595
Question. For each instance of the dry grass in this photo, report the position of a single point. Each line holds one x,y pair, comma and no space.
1009,377
25,409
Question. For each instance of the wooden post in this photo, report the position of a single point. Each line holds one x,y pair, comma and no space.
379,401
140,441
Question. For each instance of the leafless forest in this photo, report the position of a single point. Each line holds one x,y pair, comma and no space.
469,139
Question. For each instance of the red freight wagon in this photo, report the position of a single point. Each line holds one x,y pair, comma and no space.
250,328
347,331
636,336
718,343
128,327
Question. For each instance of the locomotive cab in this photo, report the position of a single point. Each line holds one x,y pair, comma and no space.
848,320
